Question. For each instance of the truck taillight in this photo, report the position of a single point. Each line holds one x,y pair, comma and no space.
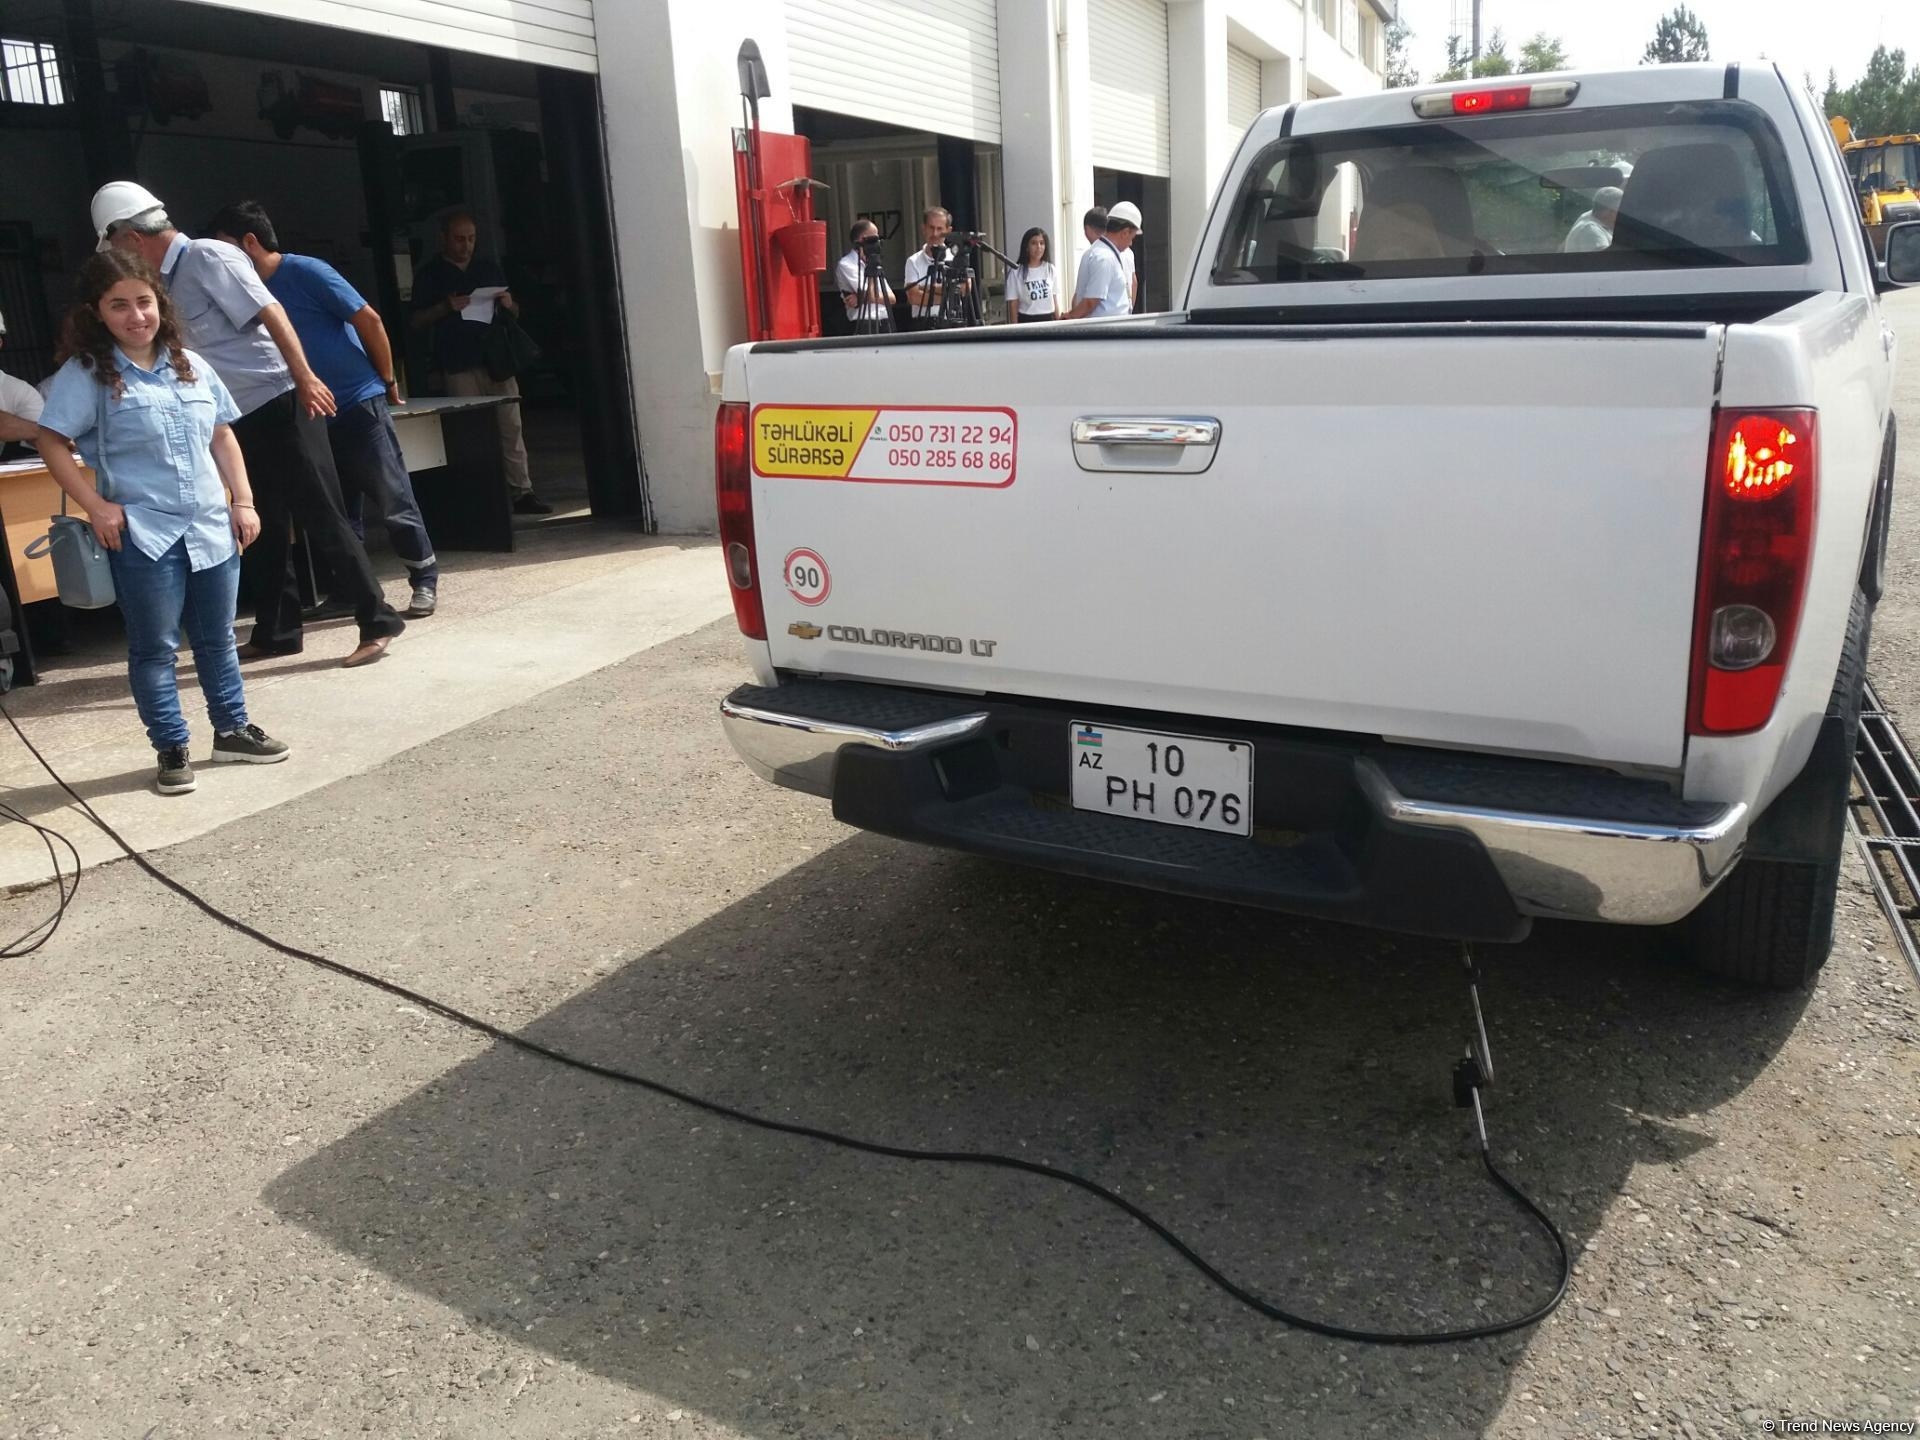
1540,95
733,498
1755,545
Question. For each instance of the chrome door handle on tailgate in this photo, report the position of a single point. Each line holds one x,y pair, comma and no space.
1180,444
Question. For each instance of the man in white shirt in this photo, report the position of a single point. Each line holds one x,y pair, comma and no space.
20,403
1594,230
929,298
872,313
1105,286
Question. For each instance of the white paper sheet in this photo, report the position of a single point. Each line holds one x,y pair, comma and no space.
480,304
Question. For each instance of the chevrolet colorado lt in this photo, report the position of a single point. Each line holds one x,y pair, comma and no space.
1453,557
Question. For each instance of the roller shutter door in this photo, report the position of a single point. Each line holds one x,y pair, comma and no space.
922,64
1243,89
542,32
1128,47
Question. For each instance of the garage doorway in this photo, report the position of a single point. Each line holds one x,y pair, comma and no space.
357,145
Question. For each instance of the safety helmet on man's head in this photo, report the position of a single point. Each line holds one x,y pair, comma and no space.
118,201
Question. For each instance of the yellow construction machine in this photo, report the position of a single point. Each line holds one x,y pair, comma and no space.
1886,178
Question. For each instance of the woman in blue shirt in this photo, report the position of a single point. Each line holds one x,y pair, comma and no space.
172,507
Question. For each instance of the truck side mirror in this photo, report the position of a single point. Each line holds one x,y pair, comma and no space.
1903,253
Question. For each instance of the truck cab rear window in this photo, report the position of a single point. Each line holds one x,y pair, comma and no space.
1643,187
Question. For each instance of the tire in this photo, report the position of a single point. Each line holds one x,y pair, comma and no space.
1770,923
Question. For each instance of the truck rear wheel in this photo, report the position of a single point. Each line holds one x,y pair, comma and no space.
1770,923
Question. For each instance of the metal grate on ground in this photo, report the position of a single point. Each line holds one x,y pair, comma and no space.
1885,816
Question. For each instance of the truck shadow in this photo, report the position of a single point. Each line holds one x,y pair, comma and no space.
1275,1090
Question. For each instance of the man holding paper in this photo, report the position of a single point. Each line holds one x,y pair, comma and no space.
454,295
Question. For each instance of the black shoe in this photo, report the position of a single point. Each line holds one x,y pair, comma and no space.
176,775
329,609
423,603
251,746
531,504
251,651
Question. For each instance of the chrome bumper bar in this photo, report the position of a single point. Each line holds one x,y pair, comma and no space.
1554,866
799,752
1577,869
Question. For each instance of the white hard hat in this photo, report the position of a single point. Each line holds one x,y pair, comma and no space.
119,200
1126,212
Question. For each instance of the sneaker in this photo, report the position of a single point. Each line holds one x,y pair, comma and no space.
176,775
421,606
251,746
531,504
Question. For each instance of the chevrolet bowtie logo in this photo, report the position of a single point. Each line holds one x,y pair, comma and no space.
802,630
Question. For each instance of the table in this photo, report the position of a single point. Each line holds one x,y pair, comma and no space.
451,444
28,498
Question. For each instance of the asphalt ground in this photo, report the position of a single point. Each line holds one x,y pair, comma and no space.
245,1197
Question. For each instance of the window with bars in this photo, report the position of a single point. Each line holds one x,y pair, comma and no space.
30,72
401,110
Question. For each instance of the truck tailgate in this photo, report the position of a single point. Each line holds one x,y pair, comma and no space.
1482,536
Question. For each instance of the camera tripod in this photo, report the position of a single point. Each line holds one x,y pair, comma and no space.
872,315
956,276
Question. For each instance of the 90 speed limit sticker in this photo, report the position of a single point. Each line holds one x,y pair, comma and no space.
887,445
807,577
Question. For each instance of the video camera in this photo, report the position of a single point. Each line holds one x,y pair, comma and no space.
870,247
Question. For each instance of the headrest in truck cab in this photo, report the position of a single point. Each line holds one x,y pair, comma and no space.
1415,213
1686,196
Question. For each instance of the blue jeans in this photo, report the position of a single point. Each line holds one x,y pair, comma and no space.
366,452
158,597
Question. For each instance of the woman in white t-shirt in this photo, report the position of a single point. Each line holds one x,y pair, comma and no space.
1033,287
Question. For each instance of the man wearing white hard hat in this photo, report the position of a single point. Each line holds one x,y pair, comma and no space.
237,327
1105,283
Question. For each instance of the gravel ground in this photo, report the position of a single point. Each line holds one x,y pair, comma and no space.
247,1197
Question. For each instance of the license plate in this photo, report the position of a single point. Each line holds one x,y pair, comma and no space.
1169,779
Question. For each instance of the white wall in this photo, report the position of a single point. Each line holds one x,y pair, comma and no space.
1031,136
1197,57
671,101
1046,130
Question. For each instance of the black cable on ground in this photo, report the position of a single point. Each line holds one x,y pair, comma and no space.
67,885
987,1159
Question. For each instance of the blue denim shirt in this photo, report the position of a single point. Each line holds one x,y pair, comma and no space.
158,455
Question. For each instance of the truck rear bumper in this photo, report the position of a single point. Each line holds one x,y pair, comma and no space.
1344,826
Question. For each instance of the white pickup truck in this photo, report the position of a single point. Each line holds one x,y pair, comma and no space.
1452,558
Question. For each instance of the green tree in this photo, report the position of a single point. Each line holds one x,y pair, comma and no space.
1400,72
1494,60
1884,101
1679,36
1544,52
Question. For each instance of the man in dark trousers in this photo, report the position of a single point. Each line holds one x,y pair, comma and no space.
348,346
443,291
234,323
